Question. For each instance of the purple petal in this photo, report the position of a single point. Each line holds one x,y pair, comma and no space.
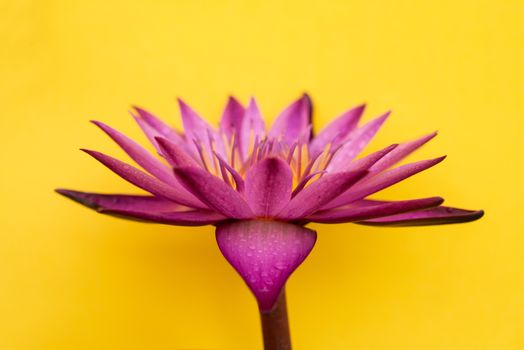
337,130
364,212
355,143
157,125
99,201
371,159
181,218
293,122
194,126
434,216
197,129
253,128
232,117
265,253
319,193
300,186
176,156
268,186
174,192
140,155
381,181
400,152
214,192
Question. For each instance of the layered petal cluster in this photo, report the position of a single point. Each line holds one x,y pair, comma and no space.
243,171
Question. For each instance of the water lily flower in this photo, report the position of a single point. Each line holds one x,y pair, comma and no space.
260,186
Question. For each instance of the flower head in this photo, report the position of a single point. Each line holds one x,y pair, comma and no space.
260,185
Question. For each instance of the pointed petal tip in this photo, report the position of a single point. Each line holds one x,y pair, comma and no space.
101,125
91,152
440,159
233,99
440,215
425,138
477,215
360,108
181,103
142,112
385,115
78,197
436,201
306,97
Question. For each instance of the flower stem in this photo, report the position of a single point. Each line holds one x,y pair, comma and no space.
275,326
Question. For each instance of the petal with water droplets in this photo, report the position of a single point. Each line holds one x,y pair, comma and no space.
268,186
214,192
265,254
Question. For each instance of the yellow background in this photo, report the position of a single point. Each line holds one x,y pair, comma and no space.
73,279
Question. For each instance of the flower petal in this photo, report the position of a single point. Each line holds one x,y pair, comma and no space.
355,143
268,186
293,122
265,253
400,152
176,156
253,128
381,181
100,201
214,192
197,129
337,130
157,125
319,193
182,218
232,117
379,209
174,192
368,161
434,216
140,155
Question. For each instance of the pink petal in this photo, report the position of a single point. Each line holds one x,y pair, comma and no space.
253,128
173,192
401,152
157,125
355,143
197,129
99,201
140,155
232,117
434,216
379,209
264,253
293,122
381,181
176,156
181,218
214,192
337,130
368,161
319,193
268,186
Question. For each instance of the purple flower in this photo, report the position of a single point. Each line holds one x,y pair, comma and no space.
260,186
